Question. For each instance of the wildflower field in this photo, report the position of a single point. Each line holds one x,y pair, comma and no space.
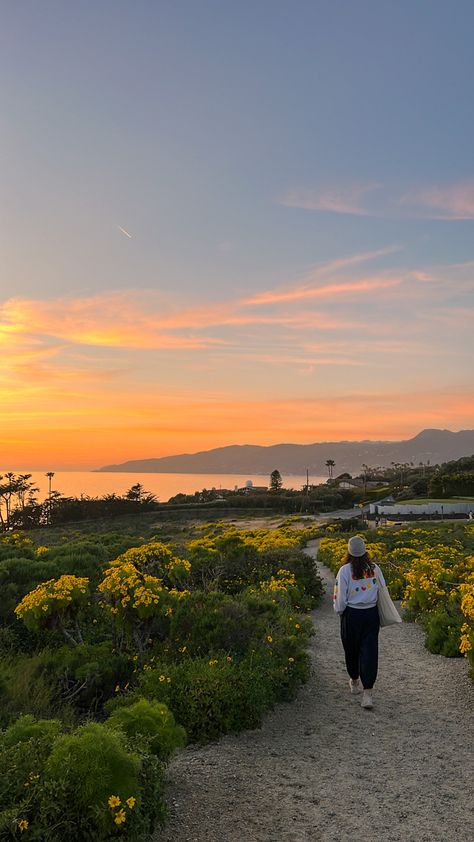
117,650
431,569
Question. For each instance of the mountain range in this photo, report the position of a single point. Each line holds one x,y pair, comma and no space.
433,446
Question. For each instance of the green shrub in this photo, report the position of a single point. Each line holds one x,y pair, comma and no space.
212,696
208,622
28,728
26,689
154,723
443,632
89,785
19,576
89,767
65,682
85,676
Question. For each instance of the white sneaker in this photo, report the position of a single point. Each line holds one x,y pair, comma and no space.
355,685
367,700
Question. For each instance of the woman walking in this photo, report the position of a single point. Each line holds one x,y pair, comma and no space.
355,600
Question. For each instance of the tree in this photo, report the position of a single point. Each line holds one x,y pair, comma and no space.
276,481
16,492
330,465
137,494
366,472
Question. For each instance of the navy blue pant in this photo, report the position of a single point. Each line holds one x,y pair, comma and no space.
360,639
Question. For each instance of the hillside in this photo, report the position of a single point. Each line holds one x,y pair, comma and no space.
435,446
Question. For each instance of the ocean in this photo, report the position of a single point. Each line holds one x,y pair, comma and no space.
164,486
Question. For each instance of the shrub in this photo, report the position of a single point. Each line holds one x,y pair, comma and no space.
56,604
18,576
206,696
154,723
84,676
24,749
212,696
89,767
28,728
208,622
26,689
443,633
88,785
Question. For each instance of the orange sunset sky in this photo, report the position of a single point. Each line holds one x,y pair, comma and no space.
204,245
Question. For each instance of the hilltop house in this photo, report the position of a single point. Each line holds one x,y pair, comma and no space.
346,481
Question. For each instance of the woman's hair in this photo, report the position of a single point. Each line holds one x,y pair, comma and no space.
360,564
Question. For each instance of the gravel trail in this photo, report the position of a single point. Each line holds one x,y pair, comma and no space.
321,769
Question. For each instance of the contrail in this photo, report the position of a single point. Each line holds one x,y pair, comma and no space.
124,231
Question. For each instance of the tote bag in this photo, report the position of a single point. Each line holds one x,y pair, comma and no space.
387,612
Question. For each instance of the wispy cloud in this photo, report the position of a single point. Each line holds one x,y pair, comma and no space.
330,291
455,201
140,319
437,202
354,260
114,320
351,199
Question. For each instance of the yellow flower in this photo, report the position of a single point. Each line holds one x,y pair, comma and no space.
23,824
120,818
297,626
270,638
291,660
114,801
131,802
162,677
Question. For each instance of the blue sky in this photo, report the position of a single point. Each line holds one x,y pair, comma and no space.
243,146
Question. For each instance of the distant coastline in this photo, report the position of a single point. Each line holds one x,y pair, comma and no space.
430,446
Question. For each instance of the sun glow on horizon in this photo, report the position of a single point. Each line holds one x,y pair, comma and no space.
118,376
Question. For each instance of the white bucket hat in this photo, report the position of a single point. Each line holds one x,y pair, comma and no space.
356,546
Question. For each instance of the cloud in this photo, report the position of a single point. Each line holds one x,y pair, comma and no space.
438,202
354,260
115,319
331,291
350,199
455,201
126,374
139,319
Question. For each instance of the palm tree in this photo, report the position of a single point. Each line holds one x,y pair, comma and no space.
366,471
50,475
330,465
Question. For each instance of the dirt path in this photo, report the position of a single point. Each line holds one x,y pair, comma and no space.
322,769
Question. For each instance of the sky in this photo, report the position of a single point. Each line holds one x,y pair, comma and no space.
232,223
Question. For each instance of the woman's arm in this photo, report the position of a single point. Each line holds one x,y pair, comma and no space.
379,575
340,592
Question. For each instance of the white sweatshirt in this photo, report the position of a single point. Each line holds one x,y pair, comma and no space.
356,593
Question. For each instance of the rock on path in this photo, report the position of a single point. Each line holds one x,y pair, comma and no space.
321,769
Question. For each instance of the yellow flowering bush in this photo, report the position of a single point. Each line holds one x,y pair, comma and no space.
127,590
134,598
467,609
157,559
282,585
55,604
